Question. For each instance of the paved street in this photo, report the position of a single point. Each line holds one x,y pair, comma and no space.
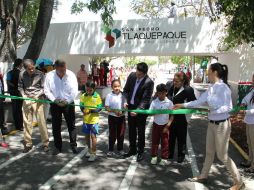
39,170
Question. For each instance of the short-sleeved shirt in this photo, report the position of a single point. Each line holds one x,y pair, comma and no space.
161,119
82,75
115,101
93,101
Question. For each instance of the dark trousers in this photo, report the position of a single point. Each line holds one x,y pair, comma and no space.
69,116
159,137
1,114
137,126
96,80
116,132
17,113
178,131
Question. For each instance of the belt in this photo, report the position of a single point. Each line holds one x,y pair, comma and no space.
218,121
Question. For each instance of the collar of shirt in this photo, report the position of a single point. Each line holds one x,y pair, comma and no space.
165,100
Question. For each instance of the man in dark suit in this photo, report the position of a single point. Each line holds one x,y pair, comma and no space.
138,90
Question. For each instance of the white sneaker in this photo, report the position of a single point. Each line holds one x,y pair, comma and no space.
110,154
163,162
154,160
88,154
92,158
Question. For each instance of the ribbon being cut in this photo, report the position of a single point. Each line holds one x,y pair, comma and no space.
201,110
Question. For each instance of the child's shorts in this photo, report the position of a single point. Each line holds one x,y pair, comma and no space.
90,128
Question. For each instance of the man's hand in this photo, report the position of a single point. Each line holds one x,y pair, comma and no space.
178,106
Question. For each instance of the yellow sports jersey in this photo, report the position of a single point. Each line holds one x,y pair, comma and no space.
94,101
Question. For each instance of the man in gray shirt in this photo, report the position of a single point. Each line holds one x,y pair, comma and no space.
31,83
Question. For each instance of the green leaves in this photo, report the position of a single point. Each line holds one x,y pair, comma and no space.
106,7
240,16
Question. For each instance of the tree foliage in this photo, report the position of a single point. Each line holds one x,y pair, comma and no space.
132,61
160,8
105,7
240,17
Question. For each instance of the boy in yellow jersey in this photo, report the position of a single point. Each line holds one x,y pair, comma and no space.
90,104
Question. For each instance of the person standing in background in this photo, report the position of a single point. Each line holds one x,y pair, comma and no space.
4,129
12,82
82,78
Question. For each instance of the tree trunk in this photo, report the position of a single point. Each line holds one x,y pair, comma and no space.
9,16
211,7
41,29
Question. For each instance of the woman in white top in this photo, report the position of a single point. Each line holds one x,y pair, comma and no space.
248,101
218,97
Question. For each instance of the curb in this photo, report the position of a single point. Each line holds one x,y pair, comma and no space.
240,150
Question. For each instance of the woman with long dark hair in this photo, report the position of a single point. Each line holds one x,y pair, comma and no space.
218,97
179,92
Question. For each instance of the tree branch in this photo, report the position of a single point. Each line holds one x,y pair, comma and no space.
19,10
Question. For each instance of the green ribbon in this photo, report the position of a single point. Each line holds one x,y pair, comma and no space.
202,111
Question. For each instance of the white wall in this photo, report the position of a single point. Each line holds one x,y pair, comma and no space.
74,62
87,38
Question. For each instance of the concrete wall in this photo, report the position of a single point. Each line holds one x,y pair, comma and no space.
74,62
241,67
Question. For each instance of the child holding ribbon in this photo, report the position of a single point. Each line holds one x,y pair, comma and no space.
248,101
116,119
90,104
161,125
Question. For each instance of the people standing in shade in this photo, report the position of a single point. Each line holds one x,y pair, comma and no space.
115,101
161,125
95,74
90,105
101,75
248,101
12,82
106,71
218,97
4,129
61,87
179,92
30,85
138,91
82,78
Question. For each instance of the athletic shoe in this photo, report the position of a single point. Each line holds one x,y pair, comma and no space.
110,154
154,160
163,162
92,158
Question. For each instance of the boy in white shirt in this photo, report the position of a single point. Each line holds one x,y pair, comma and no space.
161,124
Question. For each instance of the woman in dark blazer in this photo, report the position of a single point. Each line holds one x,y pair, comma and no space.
179,91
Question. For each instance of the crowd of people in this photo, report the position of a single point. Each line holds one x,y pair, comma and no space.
61,85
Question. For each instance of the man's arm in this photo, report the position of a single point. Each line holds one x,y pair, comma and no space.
21,85
147,95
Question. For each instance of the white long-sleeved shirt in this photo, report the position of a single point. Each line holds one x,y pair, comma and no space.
57,88
218,97
249,116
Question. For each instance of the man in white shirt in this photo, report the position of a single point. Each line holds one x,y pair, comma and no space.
61,86
172,10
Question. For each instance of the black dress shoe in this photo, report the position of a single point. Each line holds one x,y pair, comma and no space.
140,157
74,149
180,159
129,154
